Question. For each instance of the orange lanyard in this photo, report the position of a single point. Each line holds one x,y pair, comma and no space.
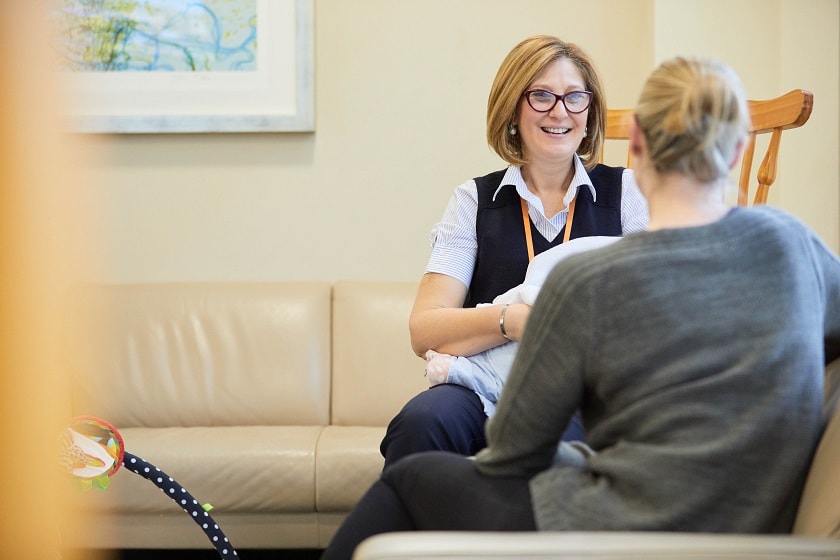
529,241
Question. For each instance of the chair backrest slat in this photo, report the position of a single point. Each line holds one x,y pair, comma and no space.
772,116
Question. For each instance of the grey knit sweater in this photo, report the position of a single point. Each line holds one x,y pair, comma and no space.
697,357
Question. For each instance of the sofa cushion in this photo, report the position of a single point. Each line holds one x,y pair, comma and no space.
221,354
819,508
347,463
367,318
235,469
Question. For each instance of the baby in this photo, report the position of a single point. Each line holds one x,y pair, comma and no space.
486,372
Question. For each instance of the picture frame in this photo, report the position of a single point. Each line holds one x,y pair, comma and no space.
278,96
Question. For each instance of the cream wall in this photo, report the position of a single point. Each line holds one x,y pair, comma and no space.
775,46
401,89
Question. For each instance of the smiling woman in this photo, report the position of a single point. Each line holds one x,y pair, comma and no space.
552,134
545,118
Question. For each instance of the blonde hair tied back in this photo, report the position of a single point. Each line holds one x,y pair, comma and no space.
693,114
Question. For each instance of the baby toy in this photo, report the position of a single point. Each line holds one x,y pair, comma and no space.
92,450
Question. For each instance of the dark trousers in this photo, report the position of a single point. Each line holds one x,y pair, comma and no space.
435,491
446,417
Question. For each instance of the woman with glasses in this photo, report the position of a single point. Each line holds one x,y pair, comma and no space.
545,117
696,350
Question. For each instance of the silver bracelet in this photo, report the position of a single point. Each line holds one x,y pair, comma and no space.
502,321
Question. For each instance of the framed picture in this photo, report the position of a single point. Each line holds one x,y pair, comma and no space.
185,66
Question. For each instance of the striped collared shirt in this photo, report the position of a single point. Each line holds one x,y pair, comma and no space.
453,239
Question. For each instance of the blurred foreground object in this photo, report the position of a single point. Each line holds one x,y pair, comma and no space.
40,248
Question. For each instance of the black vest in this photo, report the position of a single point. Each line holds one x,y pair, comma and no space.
502,258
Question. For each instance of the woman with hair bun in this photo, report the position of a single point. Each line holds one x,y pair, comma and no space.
695,350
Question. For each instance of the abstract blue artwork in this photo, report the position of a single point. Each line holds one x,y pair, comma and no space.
158,35
187,65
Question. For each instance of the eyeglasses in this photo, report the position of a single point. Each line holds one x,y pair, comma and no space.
543,101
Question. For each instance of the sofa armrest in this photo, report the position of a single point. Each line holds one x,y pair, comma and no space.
600,545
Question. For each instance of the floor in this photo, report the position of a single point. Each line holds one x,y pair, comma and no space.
208,554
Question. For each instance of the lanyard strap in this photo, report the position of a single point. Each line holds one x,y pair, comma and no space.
569,219
529,241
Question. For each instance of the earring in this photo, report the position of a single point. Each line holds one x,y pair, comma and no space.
585,132
512,130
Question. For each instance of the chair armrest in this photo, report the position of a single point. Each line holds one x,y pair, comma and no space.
591,545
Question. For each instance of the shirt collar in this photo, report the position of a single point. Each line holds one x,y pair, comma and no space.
513,177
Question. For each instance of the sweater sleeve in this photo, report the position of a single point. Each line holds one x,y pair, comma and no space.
545,386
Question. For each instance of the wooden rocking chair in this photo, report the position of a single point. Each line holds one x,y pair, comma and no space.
772,116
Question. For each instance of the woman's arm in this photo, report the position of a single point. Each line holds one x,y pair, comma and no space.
545,385
439,322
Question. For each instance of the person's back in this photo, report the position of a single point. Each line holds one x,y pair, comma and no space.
704,387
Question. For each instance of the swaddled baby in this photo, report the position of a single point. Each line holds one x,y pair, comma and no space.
486,372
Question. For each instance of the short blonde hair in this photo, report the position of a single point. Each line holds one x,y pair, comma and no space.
515,75
693,113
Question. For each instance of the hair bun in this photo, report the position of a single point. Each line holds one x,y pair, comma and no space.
693,113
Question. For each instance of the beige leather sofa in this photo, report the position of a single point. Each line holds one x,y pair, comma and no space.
266,400
269,400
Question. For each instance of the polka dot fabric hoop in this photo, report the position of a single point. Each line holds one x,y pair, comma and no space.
92,450
184,499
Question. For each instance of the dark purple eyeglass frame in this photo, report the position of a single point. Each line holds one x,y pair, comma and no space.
526,95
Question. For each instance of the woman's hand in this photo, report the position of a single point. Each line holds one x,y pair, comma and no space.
437,367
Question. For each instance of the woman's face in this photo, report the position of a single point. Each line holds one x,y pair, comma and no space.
553,137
